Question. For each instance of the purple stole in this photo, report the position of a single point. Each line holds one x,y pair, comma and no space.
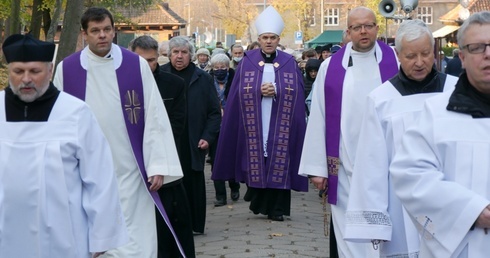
334,82
132,103
275,172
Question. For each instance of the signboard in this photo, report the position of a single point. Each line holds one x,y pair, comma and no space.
298,37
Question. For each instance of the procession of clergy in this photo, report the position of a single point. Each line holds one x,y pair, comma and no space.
89,163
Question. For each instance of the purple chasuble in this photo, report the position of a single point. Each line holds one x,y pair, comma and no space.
334,83
240,153
132,103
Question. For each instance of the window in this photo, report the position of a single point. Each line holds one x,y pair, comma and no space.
425,14
332,17
310,16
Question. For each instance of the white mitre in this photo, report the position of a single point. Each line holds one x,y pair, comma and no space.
269,21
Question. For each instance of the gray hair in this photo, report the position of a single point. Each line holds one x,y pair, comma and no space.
144,42
163,47
455,51
411,30
480,18
220,59
237,46
180,41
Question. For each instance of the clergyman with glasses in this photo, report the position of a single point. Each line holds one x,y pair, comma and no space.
441,169
342,84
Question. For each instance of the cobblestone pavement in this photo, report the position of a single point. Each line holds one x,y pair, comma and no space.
234,231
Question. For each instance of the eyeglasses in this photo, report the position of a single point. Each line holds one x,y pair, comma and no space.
358,28
476,48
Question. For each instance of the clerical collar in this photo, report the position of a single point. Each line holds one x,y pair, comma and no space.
268,58
109,55
468,100
433,82
355,52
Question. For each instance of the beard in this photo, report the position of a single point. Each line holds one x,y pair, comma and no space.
28,92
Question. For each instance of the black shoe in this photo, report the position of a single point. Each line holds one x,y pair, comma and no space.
248,196
219,203
276,218
235,196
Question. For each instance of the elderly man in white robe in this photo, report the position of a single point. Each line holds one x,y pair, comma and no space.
119,87
441,171
338,99
374,212
58,193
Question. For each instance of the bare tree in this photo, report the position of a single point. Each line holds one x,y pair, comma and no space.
70,30
53,24
14,19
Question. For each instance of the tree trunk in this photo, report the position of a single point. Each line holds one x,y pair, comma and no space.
53,26
70,30
46,22
36,19
14,19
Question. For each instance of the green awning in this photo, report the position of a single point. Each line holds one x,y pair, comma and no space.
328,36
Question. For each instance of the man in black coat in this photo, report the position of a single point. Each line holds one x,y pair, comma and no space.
201,128
173,195
454,66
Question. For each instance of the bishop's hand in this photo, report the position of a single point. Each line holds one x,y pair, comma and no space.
268,89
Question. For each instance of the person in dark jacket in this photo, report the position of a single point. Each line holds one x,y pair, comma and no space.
172,195
454,66
201,128
311,68
223,77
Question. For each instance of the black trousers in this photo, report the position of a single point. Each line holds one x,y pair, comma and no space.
220,188
268,201
174,200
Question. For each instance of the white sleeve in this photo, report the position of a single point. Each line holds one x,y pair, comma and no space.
367,215
159,150
314,155
100,197
443,210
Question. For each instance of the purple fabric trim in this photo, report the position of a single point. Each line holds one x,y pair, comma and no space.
132,103
276,171
334,83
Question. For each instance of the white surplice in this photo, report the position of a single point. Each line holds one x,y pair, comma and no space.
58,193
374,212
441,173
360,79
159,151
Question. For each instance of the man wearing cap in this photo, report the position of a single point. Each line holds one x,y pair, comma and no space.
264,124
202,59
58,193
119,87
338,101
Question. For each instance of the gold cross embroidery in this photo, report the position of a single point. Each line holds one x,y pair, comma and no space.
248,87
132,107
289,89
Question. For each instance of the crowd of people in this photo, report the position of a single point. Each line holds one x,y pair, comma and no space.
108,159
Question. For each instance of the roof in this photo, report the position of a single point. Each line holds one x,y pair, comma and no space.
156,14
442,32
328,36
474,7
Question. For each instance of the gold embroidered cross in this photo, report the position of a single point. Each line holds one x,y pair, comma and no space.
132,107
289,89
248,87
